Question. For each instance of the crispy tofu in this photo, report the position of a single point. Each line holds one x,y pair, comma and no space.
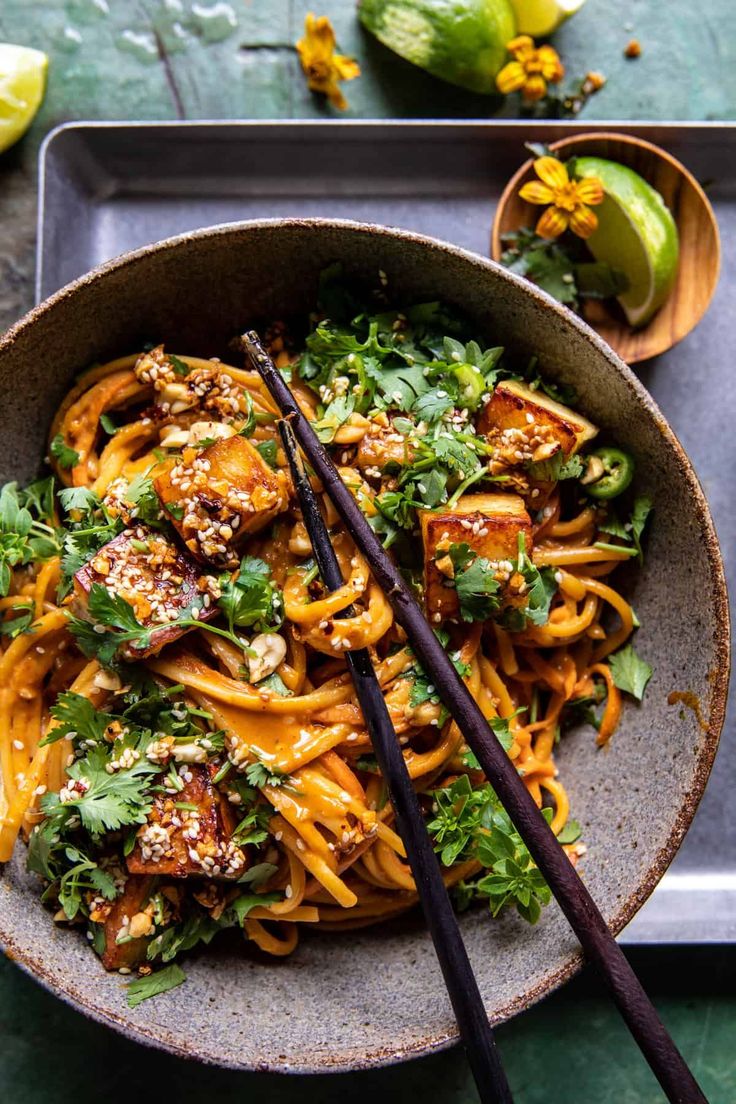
529,426
181,842
157,578
132,901
490,524
381,446
219,495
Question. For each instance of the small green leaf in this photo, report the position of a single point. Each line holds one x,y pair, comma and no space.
143,988
630,673
570,832
62,453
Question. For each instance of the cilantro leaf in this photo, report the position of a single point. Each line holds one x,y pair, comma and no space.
242,905
105,802
556,468
75,882
541,586
62,453
643,507
258,875
20,620
113,622
145,501
501,729
250,599
258,774
477,589
253,828
543,262
335,415
78,498
197,928
268,451
75,714
432,405
178,365
630,531
143,988
570,832
275,684
630,673
25,534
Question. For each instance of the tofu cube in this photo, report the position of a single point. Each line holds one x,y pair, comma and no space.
181,843
381,446
529,426
157,578
133,899
489,523
219,495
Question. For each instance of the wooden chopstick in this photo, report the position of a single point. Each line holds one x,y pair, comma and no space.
600,947
462,987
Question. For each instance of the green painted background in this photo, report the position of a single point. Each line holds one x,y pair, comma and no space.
118,59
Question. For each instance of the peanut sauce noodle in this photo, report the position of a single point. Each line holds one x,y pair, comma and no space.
324,839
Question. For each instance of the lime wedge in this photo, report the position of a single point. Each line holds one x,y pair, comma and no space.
540,18
636,234
461,41
22,85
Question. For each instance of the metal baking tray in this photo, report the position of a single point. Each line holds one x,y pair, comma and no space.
109,187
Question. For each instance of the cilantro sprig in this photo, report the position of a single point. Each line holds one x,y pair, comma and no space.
27,530
250,599
470,822
104,801
477,588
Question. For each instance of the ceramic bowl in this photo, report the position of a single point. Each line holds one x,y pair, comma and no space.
376,996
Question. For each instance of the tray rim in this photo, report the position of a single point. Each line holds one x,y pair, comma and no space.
374,123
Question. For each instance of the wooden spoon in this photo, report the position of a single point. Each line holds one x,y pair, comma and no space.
700,247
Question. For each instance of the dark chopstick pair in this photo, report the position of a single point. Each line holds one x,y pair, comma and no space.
600,947
462,987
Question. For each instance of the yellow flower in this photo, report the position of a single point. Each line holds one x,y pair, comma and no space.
569,199
532,69
322,66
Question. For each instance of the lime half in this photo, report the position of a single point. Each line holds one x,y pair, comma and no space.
461,41
22,85
540,18
636,234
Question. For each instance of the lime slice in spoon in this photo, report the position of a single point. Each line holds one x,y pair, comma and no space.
636,234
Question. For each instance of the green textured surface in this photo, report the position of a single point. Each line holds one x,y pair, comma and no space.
572,1049
114,59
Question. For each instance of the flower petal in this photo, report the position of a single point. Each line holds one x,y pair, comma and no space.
511,78
551,171
583,221
552,223
520,46
320,33
535,88
345,67
335,96
536,192
590,190
552,68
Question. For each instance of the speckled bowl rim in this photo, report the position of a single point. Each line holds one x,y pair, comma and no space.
432,1042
